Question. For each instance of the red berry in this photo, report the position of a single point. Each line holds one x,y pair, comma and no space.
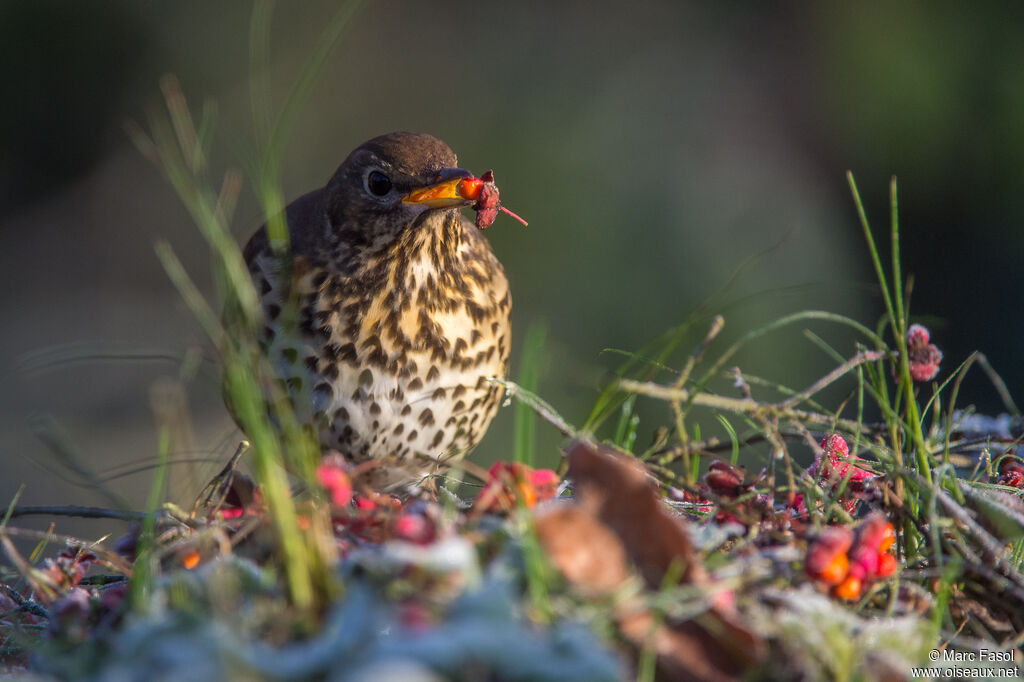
917,335
336,482
723,478
414,528
886,565
922,356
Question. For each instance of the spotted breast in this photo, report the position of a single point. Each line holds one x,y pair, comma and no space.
388,311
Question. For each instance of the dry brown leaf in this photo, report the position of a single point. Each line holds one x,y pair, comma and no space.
618,491
618,514
586,551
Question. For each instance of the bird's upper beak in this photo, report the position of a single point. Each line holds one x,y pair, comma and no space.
451,187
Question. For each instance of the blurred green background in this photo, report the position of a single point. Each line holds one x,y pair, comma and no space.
653,146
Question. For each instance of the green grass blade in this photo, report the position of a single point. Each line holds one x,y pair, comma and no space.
529,376
145,567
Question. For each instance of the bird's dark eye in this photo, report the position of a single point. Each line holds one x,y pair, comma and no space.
378,184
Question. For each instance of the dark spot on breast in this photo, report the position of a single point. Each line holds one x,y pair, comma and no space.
459,406
398,429
474,336
306,323
374,408
310,362
273,310
438,437
341,414
433,373
294,383
377,357
406,410
325,388
366,378
475,311
416,384
426,417
347,353
412,435
459,391
353,311
439,394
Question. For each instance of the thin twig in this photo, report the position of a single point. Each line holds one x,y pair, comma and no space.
741,405
858,359
25,604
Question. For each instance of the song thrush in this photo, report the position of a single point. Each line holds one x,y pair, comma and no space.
401,310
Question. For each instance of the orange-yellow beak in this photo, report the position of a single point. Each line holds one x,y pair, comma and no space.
458,191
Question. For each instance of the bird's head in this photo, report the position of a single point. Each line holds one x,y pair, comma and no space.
394,181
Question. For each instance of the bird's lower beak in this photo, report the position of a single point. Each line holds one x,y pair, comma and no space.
455,187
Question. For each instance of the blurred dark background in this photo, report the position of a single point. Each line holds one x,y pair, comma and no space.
654,147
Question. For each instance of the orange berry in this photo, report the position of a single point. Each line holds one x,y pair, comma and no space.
470,188
835,570
888,538
527,494
190,560
848,590
826,556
